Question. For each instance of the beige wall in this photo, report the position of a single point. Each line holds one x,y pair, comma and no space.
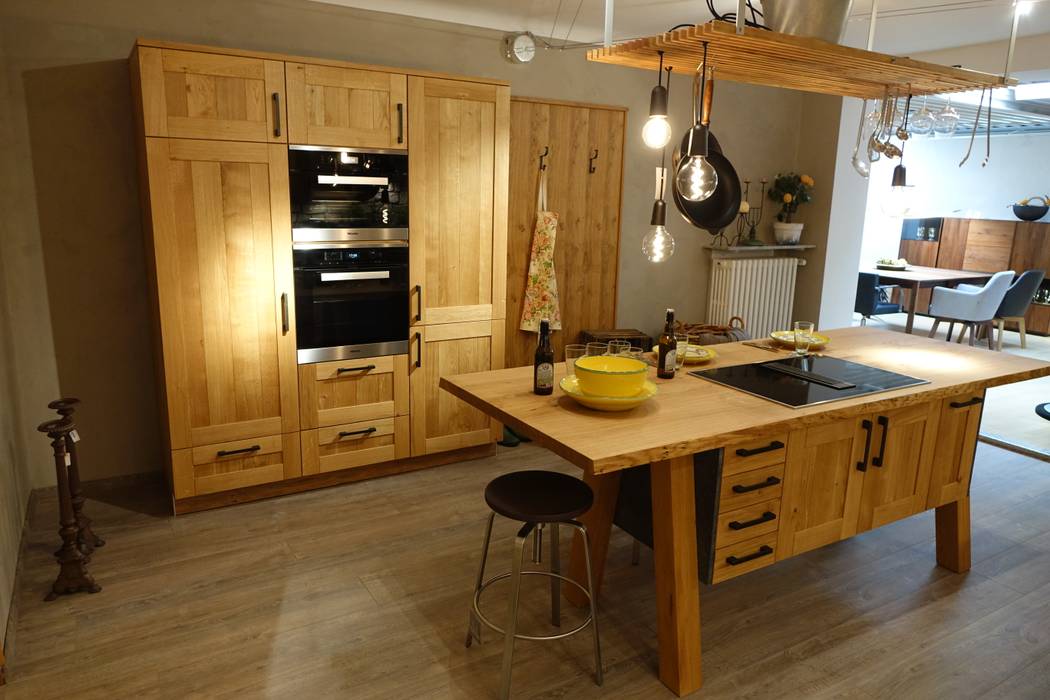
72,239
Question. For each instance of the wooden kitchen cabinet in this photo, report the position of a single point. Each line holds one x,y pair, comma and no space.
440,421
333,106
347,391
960,421
353,445
222,259
458,165
198,95
208,469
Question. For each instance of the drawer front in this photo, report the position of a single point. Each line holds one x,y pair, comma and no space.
747,523
355,444
755,454
349,391
745,556
748,488
231,465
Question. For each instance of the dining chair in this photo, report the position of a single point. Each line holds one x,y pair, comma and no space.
870,298
971,307
1015,304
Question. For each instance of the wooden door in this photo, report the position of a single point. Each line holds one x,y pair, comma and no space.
952,249
822,485
345,106
223,264
211,96
897,481
988,245
440,421
458,141
960,420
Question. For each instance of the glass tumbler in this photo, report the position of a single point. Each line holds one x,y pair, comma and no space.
597,349
572,353
803,337
681,351
619,347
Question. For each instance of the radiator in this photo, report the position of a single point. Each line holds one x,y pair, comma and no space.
759,290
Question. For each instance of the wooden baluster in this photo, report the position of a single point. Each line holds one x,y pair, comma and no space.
86,537
73,576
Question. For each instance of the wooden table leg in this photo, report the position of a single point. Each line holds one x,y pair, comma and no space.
913,298
677,579
953,535
598,521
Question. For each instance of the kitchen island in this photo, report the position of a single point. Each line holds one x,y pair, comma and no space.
739,483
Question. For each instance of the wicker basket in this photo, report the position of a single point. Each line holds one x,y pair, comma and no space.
711,334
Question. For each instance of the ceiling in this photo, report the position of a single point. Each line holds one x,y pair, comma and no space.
904,26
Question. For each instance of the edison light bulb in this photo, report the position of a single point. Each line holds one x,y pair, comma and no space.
658,244
898,202
657,131
697,179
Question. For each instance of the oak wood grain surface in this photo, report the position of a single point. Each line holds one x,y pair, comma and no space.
689,415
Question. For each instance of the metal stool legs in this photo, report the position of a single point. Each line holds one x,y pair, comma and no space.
512,610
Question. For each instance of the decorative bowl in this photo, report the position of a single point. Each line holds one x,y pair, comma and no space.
1030,212
611,375
570,385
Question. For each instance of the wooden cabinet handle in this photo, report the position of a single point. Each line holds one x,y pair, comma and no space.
966,404
862,465
349,433
276,97
763,551
764,518
400,123
775,445
885,423
771,481
241,451
362,368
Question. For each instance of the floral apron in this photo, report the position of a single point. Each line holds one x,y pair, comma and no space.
541,287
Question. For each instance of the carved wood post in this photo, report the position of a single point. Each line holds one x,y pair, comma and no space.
86,538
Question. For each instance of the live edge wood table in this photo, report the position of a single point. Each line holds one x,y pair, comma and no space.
773,481
915,278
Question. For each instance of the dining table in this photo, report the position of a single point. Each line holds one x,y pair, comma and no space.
915,277
741,482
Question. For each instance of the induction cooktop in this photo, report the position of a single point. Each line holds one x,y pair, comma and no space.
806,381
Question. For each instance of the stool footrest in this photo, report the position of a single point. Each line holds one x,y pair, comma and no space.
533,638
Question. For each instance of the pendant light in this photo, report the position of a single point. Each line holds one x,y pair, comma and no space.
696,179
898,202
657,130
658,243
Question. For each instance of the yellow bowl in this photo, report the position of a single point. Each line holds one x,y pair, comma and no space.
611,375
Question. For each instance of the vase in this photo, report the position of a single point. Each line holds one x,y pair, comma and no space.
787,234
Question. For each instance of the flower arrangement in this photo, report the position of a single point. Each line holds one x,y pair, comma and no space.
790,191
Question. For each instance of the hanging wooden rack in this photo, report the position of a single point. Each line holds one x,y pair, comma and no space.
780,60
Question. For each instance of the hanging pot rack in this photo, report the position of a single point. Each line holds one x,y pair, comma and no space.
774,59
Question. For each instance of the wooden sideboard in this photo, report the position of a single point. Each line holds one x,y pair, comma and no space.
985,245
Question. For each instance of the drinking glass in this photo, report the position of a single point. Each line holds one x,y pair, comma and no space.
572,353
803,337
597,349
619,347
683,349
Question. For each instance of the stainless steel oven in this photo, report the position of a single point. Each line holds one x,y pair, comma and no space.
351,299
347,194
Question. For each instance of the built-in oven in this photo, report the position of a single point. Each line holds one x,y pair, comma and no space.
351,299
346,194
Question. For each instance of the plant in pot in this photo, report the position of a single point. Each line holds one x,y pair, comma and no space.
790,191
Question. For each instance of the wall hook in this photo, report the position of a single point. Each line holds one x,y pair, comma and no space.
546,152
594,157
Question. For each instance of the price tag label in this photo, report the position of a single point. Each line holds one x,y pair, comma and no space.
74,436
69,461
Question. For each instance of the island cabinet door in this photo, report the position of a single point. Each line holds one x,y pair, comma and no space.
440,421
897,480
332,106
458,170
822,486
222,246
960,419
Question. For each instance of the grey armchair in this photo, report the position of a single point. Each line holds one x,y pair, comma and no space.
971,306
1015,304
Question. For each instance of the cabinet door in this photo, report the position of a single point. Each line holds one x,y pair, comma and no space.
440,421
988,245
956,444
211,96
458,138
898,478
222,246
233,465
952,249
345,107
822,486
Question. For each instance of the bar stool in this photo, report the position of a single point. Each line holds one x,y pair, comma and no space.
87,540
540,500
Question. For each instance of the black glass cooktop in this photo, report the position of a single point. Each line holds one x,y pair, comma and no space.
805,381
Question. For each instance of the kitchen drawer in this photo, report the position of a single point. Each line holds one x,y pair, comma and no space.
742,557
231,465
355,444
748,522
754,454
748,488
348,391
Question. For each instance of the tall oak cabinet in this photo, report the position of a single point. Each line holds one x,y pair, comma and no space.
241,419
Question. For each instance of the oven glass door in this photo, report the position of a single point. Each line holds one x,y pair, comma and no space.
351,302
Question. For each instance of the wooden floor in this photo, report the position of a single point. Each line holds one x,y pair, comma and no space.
361,592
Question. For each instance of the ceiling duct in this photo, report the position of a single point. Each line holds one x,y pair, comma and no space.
820,19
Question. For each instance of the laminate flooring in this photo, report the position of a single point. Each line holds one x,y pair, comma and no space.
361,591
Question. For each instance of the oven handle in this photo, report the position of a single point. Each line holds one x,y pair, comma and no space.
344,276
352,180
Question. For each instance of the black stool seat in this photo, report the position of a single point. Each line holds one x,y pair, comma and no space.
538,496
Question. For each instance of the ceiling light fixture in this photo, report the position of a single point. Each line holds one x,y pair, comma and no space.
658,243
696,179
1023,7
657,131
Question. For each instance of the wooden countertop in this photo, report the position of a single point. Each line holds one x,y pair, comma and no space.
691,415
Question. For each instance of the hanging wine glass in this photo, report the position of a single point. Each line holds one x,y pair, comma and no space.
945,121
922,122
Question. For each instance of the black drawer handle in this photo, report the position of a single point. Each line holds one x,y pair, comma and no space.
763,551
885,423
764,518
771,481
862,465
965,404
775,445
243,450
350,433
362,368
